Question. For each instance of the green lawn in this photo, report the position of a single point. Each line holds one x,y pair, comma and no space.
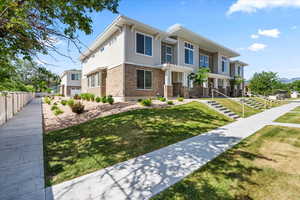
105,141
236,107
264,166
290,117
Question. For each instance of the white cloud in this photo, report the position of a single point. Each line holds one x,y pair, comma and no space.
254,36
269,33
250,6
257,47
294,27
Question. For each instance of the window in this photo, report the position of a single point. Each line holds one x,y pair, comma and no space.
75,77
144,79
143,44
188,53
204,61
239,71
94,80
169,54
224,64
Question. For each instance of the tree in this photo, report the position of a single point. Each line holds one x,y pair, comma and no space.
295,85
200,77
29,27
264,83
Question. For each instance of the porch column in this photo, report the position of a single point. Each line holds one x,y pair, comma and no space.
185,89
216,83
168,88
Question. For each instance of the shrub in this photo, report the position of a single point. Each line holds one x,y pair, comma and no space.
77,108
140,100
77,97
63,102
98,99
104,99
47,100
146,102
170,102
55,103
70,102
54,107
58,112
92,97
163,99
180,99
110,99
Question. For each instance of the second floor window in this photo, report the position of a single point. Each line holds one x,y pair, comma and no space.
188,53
239,71
75,77
204,61
225,63
143,44
144,79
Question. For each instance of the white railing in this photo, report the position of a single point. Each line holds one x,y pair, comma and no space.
11,103
242,104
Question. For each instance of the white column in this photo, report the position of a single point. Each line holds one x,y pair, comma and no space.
185,79
225,83
215,83
168,77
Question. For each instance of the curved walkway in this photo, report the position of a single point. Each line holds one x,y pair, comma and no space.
21,155
147,175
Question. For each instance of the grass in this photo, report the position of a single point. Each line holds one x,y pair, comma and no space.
236,107
290,117
102,142
264,166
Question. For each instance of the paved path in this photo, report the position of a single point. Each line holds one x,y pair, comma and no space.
285,124
21,155
147,175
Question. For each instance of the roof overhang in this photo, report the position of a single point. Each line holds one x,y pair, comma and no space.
95,70
176,68
206,44
239,62
220,76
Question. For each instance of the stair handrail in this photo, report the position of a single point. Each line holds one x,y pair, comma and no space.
265,98
243,104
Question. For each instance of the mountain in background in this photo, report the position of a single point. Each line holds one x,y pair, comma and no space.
287,80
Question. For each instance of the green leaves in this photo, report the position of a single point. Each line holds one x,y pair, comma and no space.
264,83
201,76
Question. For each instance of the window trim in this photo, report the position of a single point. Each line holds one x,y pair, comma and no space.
201,54
191,49
228,64
149,89
89,79
135,43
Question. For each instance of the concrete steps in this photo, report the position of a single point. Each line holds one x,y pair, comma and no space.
223,110
253,103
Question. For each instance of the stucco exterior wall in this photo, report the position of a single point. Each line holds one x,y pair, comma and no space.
109,54
130,46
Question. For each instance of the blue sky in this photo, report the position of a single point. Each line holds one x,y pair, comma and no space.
266,34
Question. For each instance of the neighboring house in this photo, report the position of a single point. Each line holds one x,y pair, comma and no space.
132,60
70,82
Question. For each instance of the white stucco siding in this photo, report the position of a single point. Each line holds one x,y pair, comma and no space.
64,80
109,54
130,48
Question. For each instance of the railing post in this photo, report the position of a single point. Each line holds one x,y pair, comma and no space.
212,94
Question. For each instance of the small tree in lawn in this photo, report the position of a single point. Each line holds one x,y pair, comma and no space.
200,77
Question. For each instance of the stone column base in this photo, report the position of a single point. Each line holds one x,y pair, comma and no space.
185,92
168,91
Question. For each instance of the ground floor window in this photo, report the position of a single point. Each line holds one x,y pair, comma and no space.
94,80
144,79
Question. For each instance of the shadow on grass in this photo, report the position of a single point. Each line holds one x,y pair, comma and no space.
106,141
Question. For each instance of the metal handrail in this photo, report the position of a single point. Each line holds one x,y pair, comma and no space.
243,104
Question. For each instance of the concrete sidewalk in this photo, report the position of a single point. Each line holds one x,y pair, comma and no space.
147,175
21,155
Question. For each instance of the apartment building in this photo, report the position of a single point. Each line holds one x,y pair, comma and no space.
132,60
70,82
